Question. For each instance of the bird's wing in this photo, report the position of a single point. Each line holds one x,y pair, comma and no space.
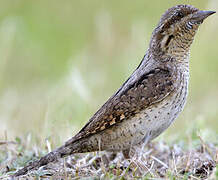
144,91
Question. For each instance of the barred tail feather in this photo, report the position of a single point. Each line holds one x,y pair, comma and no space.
65,150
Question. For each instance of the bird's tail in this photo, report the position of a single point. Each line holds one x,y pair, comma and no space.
65,150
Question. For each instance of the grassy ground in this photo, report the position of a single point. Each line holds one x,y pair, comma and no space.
192,158
60,61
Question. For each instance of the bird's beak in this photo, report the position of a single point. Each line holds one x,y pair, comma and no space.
199,16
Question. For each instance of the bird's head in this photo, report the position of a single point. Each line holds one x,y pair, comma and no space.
176,30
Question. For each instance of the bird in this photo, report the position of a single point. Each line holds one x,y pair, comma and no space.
149,100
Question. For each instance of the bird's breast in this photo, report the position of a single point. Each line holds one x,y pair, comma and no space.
162,114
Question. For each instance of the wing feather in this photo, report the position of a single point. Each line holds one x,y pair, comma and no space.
148,89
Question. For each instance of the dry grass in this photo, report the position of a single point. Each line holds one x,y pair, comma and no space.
159,160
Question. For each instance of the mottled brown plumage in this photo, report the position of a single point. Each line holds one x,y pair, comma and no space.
150,100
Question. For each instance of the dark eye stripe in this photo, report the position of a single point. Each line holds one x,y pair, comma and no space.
177,16
180,14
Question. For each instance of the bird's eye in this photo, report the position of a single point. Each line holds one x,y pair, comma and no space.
180,14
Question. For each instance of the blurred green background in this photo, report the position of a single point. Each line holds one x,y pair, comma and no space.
61,60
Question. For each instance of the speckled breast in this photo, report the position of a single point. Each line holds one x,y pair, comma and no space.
164,113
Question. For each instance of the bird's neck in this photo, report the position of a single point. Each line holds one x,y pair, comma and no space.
178,49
